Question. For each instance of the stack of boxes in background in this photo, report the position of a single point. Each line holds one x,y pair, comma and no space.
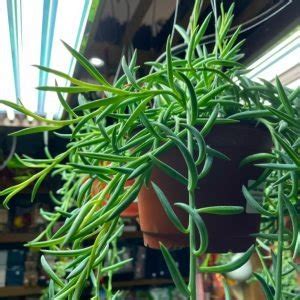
3,260
31,274
15,267
19,267
3,219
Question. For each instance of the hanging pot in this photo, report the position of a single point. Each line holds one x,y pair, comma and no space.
222,186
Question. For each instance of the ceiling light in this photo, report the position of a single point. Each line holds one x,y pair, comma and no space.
278,61
97,62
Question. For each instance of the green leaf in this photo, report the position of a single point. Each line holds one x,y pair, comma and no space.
254,204
149,126
231,266
128,73
189,161
169,170
27,112
50,272
183,33
66,76
78,221
33,130
168,208
202,29
200,226
133,60
68,253
78,269
216,153
294,220
141,169
211,121
97,170
51,289
251,114
122,170
101,102
86,65
133,117
210,95
283,98
191,46
84,188
116,266
285,117
207,167
173,269
37,185
270,236
103,131
117,190
200,142
68,222
221,210
108,157
126,200
193,98
48,243
294,156
265,287
65,104
231,42
70,89
258,156
275,166
169,63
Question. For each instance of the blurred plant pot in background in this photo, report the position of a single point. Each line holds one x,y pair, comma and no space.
130,212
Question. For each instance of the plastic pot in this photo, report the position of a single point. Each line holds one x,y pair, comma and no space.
222,186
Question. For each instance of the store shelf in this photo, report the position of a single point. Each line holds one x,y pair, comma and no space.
16,291
15,237
142,282
132,235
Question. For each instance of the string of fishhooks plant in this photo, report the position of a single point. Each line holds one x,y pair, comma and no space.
186,109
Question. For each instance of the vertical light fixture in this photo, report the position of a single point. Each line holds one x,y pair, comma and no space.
14,17
48,27
7,85
70,32
31,34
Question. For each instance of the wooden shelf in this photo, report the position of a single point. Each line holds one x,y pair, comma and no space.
16,237
132,235
15,291
142,282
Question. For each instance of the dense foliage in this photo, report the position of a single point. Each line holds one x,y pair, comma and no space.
190,86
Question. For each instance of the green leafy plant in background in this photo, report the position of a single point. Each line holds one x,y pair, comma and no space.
189,87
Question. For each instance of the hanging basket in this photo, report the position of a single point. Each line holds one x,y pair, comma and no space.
222,186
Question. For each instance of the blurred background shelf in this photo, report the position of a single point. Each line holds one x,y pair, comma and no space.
16,237
15,291
142,282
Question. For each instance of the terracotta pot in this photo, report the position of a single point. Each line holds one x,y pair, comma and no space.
131,211
222,186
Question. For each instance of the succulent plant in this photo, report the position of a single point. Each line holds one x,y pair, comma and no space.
189,89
